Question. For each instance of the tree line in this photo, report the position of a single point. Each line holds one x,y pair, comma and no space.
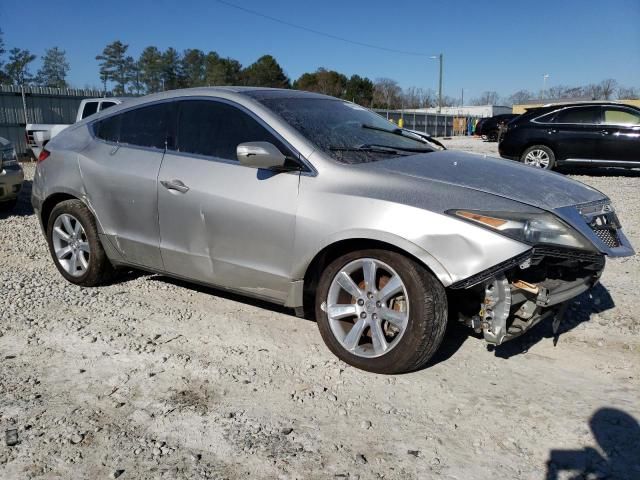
156,70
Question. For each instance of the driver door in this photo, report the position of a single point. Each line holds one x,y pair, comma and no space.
220,222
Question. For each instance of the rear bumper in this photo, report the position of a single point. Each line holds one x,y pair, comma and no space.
11,179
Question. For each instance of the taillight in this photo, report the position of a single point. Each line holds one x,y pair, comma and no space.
44,154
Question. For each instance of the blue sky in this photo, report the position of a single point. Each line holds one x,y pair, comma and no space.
488,45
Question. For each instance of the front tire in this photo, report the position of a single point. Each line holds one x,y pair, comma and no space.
76,250
380,311
539,156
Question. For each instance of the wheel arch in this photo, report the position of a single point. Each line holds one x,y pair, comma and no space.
50,203
339,247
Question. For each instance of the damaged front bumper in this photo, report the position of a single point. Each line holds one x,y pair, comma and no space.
508,302
508,299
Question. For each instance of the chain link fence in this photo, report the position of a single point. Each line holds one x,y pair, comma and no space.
434,124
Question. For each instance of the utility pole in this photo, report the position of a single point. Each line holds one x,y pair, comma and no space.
462,98
544,84
440,58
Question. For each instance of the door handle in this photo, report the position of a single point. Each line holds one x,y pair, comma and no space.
552,131
175,185
604,132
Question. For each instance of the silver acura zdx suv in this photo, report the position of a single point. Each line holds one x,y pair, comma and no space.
323,206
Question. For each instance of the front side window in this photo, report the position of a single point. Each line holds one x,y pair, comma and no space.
215,129
89,109
618,116
578,115
345,131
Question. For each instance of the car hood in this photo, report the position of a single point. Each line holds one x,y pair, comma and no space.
504,178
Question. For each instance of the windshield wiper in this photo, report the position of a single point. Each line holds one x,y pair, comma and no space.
403,133
365,148
402,149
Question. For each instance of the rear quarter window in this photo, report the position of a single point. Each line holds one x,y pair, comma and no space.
146,126
577,115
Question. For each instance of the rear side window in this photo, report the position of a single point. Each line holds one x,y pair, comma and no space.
89,109
143,127
588,115
108,129
615,116
215,129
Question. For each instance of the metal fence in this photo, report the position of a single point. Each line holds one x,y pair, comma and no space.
434,124
22,105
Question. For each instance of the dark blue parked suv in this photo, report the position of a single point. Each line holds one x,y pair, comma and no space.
597,134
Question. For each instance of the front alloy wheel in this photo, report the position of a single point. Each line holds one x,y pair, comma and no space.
381,311
379,304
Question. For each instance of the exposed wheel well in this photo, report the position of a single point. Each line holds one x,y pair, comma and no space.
329,254
50,203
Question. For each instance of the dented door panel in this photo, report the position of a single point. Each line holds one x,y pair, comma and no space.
233,227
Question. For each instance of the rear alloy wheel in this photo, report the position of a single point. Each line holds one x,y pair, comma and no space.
74,245
539,156
380,311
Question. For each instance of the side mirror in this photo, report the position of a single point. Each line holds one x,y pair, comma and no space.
260,155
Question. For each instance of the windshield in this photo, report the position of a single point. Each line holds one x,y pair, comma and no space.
345,131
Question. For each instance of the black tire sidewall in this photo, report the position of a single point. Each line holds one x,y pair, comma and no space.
97,256
552,156
408,354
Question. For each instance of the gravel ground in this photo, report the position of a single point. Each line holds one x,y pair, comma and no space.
154,378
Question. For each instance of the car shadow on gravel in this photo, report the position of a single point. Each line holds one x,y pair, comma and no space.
23,208
599,171
597,300
617,456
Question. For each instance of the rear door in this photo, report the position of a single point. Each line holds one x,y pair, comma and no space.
220,222
574,132
620,131
120,172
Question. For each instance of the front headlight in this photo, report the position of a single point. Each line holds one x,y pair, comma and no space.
531,228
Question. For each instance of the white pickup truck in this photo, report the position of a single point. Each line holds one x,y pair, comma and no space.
38,134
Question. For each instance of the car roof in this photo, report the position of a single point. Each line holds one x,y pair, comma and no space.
250,93
594,103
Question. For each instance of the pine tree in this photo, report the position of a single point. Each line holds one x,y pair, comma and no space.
265,72
54,70
18,67
151,65
116,66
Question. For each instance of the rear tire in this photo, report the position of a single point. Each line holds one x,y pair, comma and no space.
74,245
539,156
357,324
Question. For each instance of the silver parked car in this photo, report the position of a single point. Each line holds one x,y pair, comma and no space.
11,175
321,205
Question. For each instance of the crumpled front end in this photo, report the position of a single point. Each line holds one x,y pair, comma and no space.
508,299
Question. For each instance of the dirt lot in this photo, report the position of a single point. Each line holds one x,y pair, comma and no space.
153,378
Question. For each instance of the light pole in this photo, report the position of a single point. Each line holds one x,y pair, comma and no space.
439,57
544,84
